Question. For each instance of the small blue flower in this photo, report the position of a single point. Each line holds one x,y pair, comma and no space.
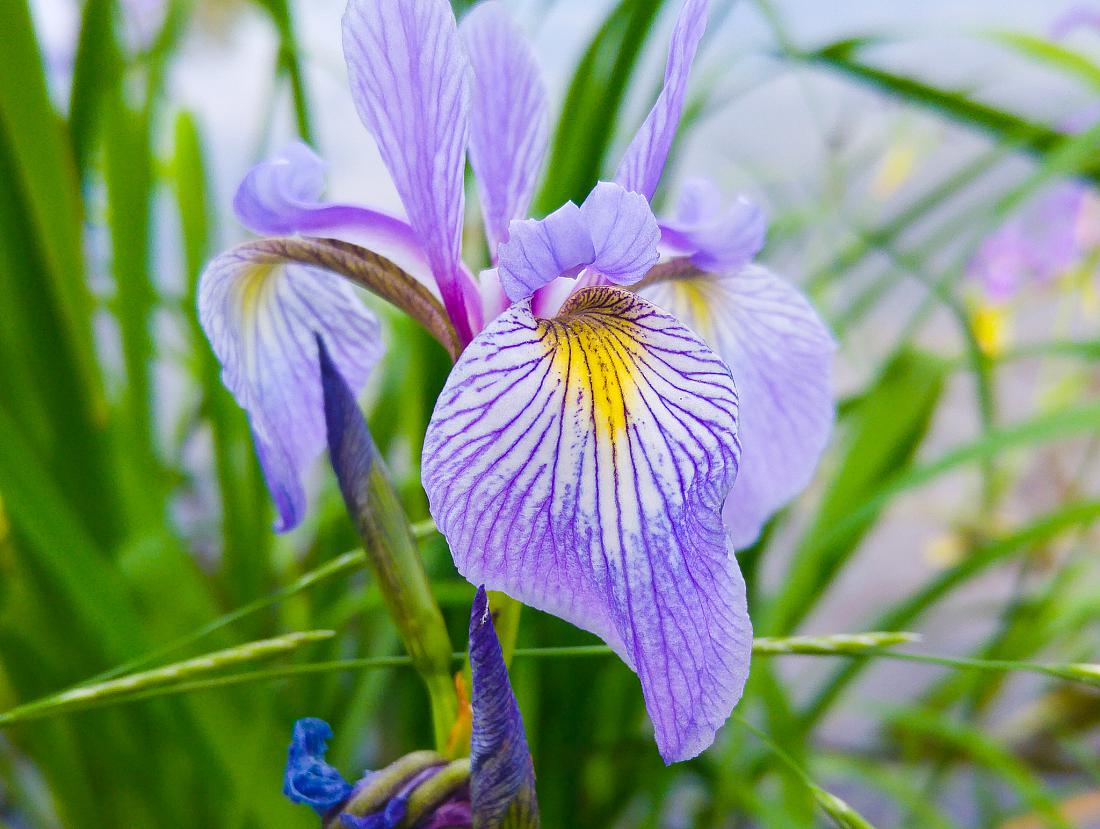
309,779
500,790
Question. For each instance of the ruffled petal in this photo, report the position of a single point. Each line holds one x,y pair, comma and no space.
717,238
613,234
502,779
644,160
580,464
309,779
410,80
538,251
624,233
509,126
262,319
282,196
781,354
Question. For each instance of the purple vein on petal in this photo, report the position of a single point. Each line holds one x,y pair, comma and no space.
589,484
410,80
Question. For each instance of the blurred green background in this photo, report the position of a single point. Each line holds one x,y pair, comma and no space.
959,497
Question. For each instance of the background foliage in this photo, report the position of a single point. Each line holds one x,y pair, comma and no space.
135,528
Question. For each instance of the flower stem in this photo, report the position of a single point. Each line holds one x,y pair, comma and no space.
395,563
390,546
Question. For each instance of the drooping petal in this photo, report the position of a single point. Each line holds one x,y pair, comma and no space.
282,195
781,354
580,464
409,77
261,319
716,237
502,779
644,160
614,234
309,779
509,125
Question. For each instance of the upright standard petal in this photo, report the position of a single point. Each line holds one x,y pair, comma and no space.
644,160
309,779
781,354
580,464
502,779
282,195
509,125
262,319
409,77
613,234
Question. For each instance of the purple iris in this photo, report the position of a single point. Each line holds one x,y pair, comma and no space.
423,790
582,451
1053,234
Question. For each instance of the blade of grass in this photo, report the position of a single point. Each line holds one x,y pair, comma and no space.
594,102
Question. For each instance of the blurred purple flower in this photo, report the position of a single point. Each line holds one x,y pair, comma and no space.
582,450
498,791
1075,17
1055,233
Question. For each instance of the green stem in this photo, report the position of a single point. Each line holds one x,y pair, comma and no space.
395,563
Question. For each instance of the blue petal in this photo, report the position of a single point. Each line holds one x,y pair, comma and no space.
309,779
502,779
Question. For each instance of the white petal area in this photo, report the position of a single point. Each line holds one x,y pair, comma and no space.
579,464
781,354
262,320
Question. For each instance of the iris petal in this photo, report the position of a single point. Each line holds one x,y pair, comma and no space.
717,238
644,160
410,80
624,233
282,195
781,354
309,779
502,779
580,464
538,251
261,320
613,233
509,128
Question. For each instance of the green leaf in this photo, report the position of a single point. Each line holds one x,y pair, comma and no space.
289,63
965,740
593,104
245,514
96,74
1052,54
976,561
1037,139
886,426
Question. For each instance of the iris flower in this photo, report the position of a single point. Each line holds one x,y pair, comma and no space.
584,445
422,790
1053,235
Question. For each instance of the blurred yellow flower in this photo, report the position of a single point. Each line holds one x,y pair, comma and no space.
992,328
